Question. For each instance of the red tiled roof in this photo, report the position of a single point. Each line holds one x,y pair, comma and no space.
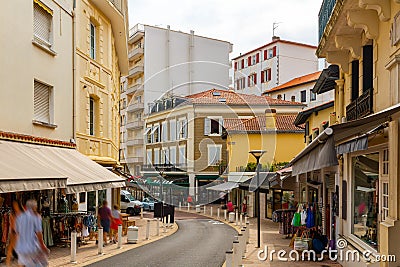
273,42
312,77
33,139
229,97
283,123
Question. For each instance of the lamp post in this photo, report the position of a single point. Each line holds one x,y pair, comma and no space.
258,154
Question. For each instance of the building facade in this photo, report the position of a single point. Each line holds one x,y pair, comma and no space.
273,64
162,63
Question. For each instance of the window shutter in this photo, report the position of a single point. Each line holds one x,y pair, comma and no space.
248,81
344,200
172,130
274,51
242,63
41,24
41,102
265,54
236,64
262,76
255,78
257,57
207,126
268,74
306,131
249,61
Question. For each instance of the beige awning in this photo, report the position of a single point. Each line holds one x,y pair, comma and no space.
37,167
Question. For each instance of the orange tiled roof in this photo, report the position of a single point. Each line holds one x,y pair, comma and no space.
296,81
283,123
229,97
34,139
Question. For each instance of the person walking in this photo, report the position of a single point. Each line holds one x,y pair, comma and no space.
105,220
30,247
17,210
116,220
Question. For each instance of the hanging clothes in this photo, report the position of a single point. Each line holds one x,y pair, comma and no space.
47,234
310,220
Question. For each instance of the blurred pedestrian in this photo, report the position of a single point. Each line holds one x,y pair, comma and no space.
230,207
116,220
30,247
105,220
17,210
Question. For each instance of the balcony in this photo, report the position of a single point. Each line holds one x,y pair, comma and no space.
360,107
324,15
134,125
135,142
117,4
136,70
136,33
132,89
135,106
136,53
134,160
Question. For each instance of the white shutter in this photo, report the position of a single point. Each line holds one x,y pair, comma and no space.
184,129
42,24
207,126
164,131
41,102
172,153
172,129
211,155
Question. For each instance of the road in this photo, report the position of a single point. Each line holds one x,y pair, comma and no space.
198,242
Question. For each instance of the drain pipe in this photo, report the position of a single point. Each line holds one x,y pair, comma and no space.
74,71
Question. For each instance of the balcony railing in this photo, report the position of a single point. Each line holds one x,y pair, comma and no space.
135,53
117,4
135,124
135,106
135,29
137,69
133,88
324,15
360,107
161,168
134,142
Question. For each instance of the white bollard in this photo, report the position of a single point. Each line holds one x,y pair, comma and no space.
120,236
248,232
148,230
236,256
218,213
242,242
158,227
165,228
169,220
100,240
205,209
211,211
188,206
236,218
73,247
229,258
241,220
180,205
225,212
141,213
245,238
245,219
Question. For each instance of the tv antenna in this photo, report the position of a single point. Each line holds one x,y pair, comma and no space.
274,26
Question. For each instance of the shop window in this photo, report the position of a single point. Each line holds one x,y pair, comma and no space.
82,197
365,198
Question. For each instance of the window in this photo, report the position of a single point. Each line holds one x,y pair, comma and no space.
164,131
42,102
249,61
354,79
139,116
92,115
149,157
182,155
172,130
303,96
82,197
279,97
214,154
164,155
242,63
367,65
212,126
172,154
271,52
365,198
255,59
252,80
385,185
240,83
182,128
313,96
293,98
92,40
156,156
42,23
266,75
155,133
236,65
147,133
139,99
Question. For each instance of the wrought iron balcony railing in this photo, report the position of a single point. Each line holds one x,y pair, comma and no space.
360,107
324,14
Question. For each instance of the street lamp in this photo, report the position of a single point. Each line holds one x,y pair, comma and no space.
258,154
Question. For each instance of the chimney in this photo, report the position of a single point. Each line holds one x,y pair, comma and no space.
275,38
270,119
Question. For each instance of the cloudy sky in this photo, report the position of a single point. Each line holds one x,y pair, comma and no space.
246,24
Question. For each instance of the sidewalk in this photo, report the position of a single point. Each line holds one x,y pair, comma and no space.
270,237
88,254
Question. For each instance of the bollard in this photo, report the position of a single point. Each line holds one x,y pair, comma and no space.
229,258
180,205
148,230
236,256
169,220
241,220
218,213
188,206
73,247
100,240
245,238
141,213
245,219
225,211
119,236
211,211
164,228
236,218
241,243
248,232
158,227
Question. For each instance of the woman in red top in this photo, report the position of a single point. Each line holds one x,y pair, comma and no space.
230,206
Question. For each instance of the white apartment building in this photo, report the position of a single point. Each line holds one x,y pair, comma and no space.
162,63
272,64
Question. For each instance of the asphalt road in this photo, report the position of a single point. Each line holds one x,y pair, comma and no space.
198,242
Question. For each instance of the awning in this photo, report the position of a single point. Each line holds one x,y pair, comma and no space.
263,183
353,145
224,187
38,167
326,80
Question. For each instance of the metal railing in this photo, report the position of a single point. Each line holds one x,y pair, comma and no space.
135,29
324,14
360,107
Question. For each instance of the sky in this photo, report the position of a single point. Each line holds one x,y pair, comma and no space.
245,24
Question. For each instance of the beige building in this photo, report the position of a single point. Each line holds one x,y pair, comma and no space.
101,58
